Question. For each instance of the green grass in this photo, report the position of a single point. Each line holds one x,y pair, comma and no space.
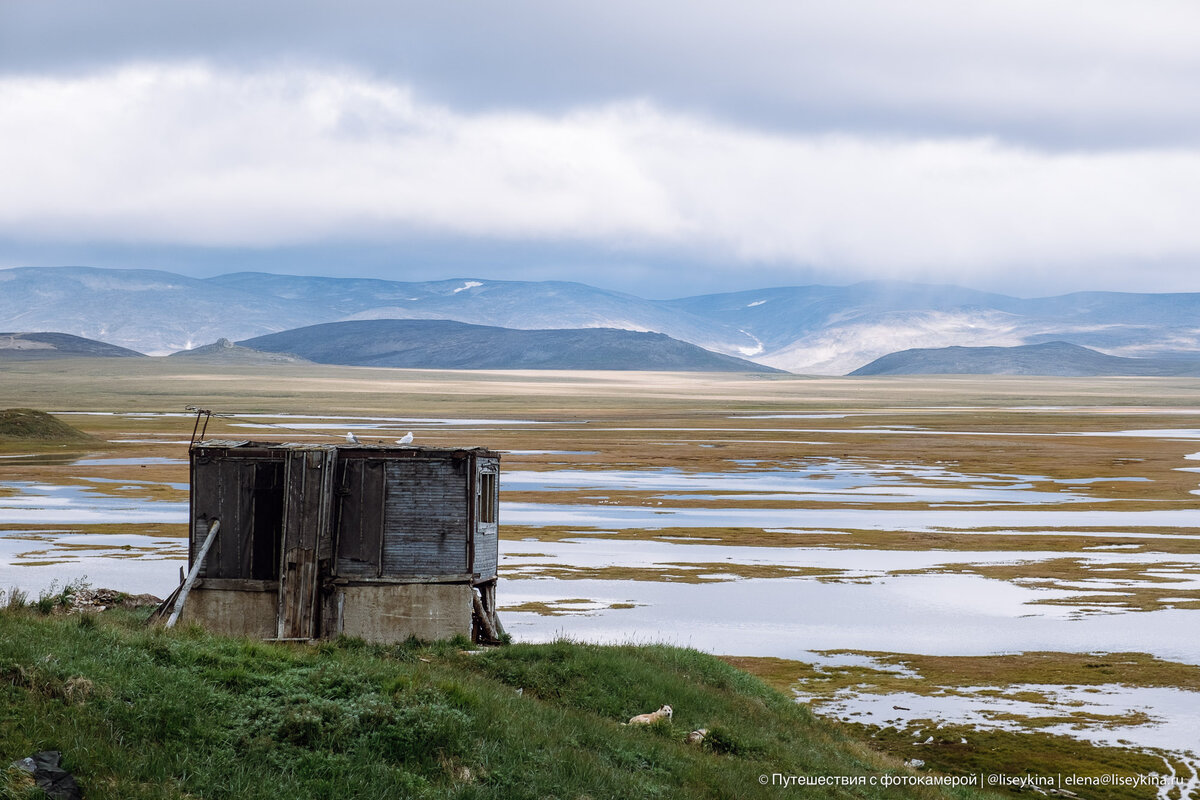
26,425
143,713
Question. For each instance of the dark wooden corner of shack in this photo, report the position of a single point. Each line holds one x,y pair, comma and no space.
316,541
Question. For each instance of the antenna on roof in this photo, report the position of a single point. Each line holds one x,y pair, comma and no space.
200,412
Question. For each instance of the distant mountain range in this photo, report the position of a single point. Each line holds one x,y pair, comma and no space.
33,346
1051,358
442,344
811,329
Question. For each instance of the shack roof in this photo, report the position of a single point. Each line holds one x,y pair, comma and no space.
391,450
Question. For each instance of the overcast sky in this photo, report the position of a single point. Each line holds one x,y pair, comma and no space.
666,148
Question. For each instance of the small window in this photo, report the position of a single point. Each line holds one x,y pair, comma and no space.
487,497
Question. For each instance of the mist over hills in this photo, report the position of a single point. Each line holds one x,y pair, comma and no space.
828,330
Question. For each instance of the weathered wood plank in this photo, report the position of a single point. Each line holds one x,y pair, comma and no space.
463,577
222,489
308,489
237,585
213,530
361,491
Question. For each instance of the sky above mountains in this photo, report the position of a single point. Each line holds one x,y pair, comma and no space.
667,149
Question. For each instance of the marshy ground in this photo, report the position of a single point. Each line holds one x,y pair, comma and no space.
846,538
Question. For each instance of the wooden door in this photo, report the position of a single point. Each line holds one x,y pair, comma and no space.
307,531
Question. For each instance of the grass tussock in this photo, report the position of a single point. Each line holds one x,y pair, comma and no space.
143,713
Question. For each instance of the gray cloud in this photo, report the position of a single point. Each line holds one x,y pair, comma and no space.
1052,73
1024,146
197,156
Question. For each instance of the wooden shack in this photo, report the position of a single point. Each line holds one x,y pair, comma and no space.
315,541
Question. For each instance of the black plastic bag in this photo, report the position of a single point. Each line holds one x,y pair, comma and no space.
56,782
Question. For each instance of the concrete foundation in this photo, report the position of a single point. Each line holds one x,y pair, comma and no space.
232,612
380,613
393,612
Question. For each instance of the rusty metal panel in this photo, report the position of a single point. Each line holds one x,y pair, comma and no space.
425,516
360,494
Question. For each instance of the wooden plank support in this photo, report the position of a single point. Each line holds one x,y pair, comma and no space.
191,578
491,606
485,621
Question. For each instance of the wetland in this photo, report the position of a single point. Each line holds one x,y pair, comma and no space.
1004,565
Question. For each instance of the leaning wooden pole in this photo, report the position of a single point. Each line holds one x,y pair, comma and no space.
484,620
191,578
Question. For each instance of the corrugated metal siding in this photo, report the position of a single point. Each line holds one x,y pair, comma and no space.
425,517
360,492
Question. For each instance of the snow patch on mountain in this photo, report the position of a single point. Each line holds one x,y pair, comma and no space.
751,351
811,329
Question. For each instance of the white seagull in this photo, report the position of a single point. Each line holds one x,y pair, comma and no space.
405,439
351,438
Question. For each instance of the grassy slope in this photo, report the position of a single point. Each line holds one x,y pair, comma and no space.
28,425
142,713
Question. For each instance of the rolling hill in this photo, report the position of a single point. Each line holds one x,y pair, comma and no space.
828,330
40,345
445,344
224,351
1060,359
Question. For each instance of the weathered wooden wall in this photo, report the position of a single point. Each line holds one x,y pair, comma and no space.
425,525
387,532
307,538
487,526
245,492
360,490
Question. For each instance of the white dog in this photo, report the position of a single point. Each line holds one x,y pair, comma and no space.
652,717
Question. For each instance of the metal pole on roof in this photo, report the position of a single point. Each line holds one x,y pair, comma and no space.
196,427
191,578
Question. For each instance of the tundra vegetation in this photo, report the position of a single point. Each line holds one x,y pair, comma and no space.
1064,441
145,713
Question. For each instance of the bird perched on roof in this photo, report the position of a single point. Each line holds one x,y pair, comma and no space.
351,438
405,439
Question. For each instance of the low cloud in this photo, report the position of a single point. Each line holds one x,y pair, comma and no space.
190,154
